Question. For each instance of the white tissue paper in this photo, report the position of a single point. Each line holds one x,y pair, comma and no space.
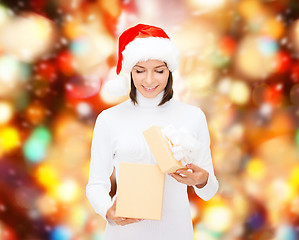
184,145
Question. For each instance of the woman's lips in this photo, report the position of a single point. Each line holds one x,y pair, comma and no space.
149,89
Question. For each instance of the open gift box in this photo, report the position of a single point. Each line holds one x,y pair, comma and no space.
140,186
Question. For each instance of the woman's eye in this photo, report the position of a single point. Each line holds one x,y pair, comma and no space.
160,71
138,71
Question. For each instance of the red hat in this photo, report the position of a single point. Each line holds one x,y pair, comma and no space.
140,43
143,42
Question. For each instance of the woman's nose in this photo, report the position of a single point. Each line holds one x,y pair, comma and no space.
149,78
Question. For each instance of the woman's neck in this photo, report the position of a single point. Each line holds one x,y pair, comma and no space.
149,103
145,102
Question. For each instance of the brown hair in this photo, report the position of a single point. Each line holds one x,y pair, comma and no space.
168,93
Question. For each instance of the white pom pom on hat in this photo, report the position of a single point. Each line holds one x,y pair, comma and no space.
140,43
117,86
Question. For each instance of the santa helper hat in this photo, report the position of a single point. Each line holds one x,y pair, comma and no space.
140,43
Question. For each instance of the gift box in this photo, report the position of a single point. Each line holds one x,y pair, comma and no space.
139,191
161,150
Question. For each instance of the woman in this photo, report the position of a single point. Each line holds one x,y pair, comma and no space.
148,55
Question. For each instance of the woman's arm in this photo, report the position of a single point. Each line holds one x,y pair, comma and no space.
204,161
101,168
200,174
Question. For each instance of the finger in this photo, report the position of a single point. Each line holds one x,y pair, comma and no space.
183,168
132,220
129,221
176,176
194,167
185,172
119,220
180,179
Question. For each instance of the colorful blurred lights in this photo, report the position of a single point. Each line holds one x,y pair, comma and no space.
84,109
61,233
46,204
283,188
47,176
6,112
9,138
9,67
283,62
4,15
78,216
83,86
267,46
224,85
36,146
273,27
250,9
254,52
68,191
239,92
266,109
79,46
286,232
205,3
16,41
34,150
256,168
294,179
35,112
42,134
218,218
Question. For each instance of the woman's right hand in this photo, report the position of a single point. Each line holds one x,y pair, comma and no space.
119,220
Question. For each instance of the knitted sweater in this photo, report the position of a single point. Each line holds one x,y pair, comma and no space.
118,137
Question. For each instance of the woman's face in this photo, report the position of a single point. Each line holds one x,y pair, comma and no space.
150,77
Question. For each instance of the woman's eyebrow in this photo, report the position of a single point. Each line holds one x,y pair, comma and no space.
154,67
139,66
160,66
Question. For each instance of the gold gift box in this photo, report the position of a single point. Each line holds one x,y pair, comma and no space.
140,191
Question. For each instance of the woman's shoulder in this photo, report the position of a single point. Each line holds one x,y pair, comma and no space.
114,111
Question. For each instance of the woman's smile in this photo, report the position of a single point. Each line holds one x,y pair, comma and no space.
150,89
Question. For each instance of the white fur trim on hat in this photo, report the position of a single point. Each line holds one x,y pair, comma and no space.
142,49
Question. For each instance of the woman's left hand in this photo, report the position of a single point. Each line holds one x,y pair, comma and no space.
197,177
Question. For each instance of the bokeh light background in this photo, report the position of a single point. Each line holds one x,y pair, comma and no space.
239,62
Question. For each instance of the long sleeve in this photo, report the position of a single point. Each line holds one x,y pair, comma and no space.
205,161
101,168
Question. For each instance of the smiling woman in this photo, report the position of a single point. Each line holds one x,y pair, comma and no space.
148,55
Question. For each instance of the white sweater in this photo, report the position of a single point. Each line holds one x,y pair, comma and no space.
118,137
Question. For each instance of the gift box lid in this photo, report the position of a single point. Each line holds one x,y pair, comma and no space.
161,150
